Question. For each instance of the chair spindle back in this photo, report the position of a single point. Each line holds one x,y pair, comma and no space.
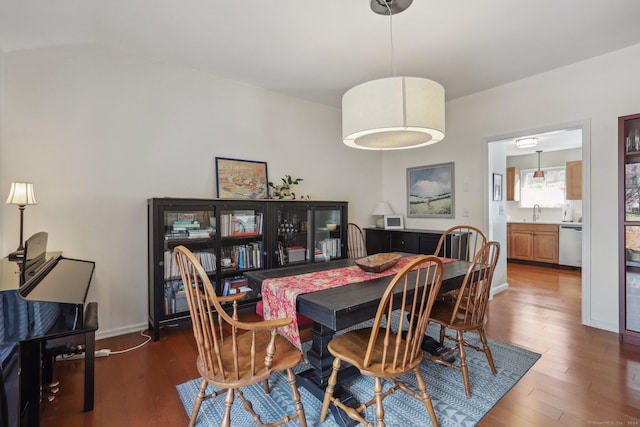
461,242
472,300
211,321
415,289
356,247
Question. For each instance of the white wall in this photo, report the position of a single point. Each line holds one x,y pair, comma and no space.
1,193
497,212
599,91
98,132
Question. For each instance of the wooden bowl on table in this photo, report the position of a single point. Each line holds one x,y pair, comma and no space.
378,262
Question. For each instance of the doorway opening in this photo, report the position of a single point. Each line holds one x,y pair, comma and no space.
554,149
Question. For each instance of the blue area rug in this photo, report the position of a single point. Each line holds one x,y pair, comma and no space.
445,385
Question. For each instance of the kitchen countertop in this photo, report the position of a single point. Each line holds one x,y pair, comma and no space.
543,222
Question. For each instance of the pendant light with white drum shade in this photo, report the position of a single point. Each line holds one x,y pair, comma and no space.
393,113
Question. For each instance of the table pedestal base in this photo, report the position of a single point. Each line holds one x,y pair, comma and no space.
315,379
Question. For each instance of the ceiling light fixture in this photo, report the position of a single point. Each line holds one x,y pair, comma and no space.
526,142
393,113
539,173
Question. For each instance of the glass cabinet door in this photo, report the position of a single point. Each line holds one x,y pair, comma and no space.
632,277
241,248
194,229
328,227
630,274
293,244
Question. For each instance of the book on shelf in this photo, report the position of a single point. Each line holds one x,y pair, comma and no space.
329,248
234,291
225,288
206,257
181,303
241,223
234,285
244,223
235,282
175,299
185,225
176,234
244,257
200,233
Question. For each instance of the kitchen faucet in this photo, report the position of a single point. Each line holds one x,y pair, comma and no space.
535,217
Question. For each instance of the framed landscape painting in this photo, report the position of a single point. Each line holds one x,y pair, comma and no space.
241,179
430,191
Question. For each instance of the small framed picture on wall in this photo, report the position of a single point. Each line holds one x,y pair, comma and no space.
497,187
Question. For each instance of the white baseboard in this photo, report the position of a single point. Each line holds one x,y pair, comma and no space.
607,326
497,289
121,331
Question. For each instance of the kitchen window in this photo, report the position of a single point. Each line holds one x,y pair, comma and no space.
548,192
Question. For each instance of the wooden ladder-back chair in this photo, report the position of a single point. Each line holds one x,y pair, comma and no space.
356,247
461,242
382,352
468,312
228,358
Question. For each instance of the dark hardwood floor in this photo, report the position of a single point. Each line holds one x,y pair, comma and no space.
584,378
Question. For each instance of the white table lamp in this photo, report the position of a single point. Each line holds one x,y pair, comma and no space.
382,209
21,194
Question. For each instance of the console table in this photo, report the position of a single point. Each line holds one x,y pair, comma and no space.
413,241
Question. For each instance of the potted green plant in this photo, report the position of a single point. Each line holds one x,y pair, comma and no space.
284,190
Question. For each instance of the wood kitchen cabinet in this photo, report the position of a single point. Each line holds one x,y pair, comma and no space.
574,180
513,184
533,242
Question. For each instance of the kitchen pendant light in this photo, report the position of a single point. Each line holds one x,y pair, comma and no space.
539,173
393,113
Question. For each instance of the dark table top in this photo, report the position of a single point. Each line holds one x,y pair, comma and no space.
343,306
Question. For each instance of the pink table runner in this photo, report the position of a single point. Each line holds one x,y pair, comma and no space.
279,294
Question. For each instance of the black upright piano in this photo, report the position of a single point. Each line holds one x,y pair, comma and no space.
42,306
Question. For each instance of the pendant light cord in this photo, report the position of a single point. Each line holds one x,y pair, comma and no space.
539,159
393,62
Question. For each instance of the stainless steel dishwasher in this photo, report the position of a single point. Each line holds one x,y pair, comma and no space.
570,245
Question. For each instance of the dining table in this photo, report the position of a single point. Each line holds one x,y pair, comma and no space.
337,308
